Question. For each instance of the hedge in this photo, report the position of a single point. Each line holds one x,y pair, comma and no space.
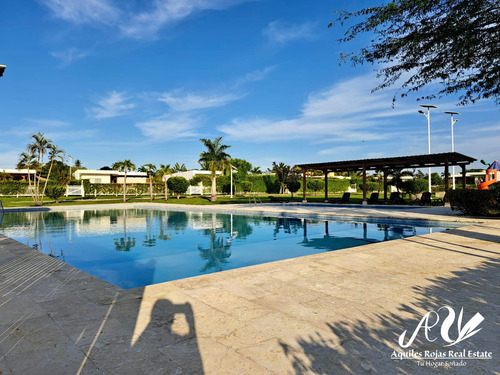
475,202
117,189
13,187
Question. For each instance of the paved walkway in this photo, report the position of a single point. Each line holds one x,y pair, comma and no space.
332,313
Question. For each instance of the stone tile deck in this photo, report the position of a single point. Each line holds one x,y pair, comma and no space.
332,313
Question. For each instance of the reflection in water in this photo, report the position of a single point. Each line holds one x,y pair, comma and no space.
124,243
219,249
137,247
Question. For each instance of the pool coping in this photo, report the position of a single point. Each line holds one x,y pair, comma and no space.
229,336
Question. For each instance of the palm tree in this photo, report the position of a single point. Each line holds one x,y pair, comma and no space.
55,153
256,171
150,169
37,149
215,158
124,166
281,171
179,168
165,170
26,160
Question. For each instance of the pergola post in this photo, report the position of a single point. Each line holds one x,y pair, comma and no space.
446,177
304,188
364,184
326,186
385,184
464,180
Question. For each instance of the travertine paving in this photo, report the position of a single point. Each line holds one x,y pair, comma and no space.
332,313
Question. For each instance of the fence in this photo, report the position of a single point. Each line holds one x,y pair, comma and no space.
75,190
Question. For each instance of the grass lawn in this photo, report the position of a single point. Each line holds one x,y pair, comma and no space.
356,198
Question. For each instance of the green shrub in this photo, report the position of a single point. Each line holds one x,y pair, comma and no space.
315,185
272,184
415,186
246,186
370,187
13,187
475,202
86,187
195,181
224,184
338,184
55,192
178,185
293,186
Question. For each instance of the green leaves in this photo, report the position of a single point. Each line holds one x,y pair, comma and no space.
451,42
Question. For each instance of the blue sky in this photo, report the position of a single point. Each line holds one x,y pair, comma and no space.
109,80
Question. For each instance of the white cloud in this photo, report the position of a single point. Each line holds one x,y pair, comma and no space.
84,12
146,24
347,111
9,159
49,123
69,55
115,104
169,127
139,22
279,32
256,75
178,101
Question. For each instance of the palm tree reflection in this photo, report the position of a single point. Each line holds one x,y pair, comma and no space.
124,243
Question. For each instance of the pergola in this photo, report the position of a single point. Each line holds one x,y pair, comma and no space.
386,164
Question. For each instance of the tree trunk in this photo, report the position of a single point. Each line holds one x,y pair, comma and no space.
166,191
151,187
124,186
213,196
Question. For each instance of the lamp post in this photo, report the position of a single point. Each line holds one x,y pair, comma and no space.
70,160
232,167
2,69
428,115
452,142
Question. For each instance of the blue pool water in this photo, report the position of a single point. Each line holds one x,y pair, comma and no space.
137,247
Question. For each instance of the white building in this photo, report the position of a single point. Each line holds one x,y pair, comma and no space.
18,174
110,177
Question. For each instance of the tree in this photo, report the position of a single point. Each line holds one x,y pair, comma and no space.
55,153
436,179
396,180
179,168
55,192
215,158
33,158
150,169
256,171
415,186
293,185
246,186
124,166
164,171
78,163
315,185
453,42
281,171
178,185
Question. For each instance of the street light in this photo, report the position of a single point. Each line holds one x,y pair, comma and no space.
428,115
2,69
70,160
452,142
232,167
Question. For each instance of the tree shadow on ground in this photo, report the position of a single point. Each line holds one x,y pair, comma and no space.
357,346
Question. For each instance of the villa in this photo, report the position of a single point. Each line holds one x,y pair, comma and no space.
97,176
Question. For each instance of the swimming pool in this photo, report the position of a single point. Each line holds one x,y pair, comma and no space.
137,247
